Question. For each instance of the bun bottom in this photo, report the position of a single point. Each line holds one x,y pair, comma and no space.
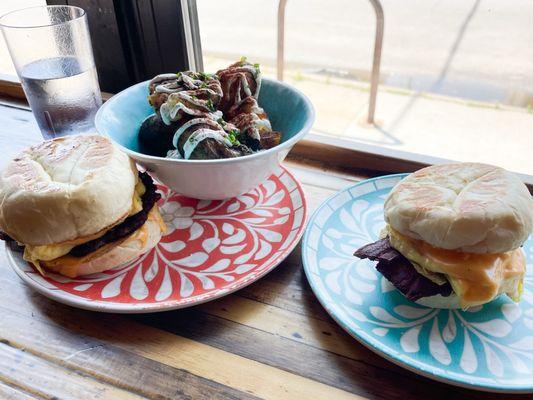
450,302
138,243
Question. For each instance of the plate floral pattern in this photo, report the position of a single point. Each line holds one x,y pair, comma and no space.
488,347
211,248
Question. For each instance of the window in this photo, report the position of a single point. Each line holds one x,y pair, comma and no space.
7,68
456,76
132,40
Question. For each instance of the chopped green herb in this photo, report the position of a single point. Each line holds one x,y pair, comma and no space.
210,105
232,136
203,85
204,76
243,59
221,121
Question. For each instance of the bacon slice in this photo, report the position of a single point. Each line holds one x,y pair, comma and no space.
128,226
400,272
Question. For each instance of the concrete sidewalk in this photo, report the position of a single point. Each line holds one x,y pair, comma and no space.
476,49
430,125
407,121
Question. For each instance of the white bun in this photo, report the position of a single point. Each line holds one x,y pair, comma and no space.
128,250
450,302
64,189
470,207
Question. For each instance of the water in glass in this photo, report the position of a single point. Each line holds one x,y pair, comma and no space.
63,96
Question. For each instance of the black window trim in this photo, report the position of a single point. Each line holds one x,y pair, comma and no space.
133,40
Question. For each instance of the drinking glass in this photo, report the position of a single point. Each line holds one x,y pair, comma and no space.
51,49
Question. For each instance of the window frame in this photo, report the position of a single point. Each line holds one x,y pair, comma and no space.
135,40
10,87
128,45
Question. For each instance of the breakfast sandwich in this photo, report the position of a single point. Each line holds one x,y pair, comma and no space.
78,206
453,235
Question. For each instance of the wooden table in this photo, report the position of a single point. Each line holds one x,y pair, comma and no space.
271,340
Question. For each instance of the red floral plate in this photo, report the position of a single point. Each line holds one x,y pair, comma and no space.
211,248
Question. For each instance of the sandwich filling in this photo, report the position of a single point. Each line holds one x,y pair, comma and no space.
402,273
53,251
475,278
77,251
68,264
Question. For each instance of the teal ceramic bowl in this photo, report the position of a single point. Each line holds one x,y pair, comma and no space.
289,110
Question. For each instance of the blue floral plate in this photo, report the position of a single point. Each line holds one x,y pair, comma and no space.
487,348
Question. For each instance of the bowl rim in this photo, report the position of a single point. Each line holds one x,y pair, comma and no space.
146,157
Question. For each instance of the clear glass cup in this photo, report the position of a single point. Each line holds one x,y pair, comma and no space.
51,49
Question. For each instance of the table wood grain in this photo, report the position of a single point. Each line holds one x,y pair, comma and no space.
271,340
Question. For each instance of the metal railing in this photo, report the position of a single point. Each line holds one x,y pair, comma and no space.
376,61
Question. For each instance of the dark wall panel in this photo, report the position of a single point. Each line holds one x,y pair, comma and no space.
134,40
113,72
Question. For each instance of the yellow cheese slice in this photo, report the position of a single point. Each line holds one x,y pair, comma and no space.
475,278
68,265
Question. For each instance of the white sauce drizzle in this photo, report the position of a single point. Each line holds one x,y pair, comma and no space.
163,77
201,135
191,82
175,85
177,94
170,108
174,154
168,88
244,85
255,125
260,125
264,122
192,122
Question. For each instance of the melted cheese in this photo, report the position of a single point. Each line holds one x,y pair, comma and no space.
156,216
68,265
142,234
49,252
475,278
137,204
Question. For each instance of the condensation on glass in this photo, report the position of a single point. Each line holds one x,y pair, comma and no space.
51,50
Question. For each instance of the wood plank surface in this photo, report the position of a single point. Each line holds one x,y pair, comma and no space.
166,348
11,393
37,376
271,340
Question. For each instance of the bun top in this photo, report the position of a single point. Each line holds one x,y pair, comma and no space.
471,207
64,189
